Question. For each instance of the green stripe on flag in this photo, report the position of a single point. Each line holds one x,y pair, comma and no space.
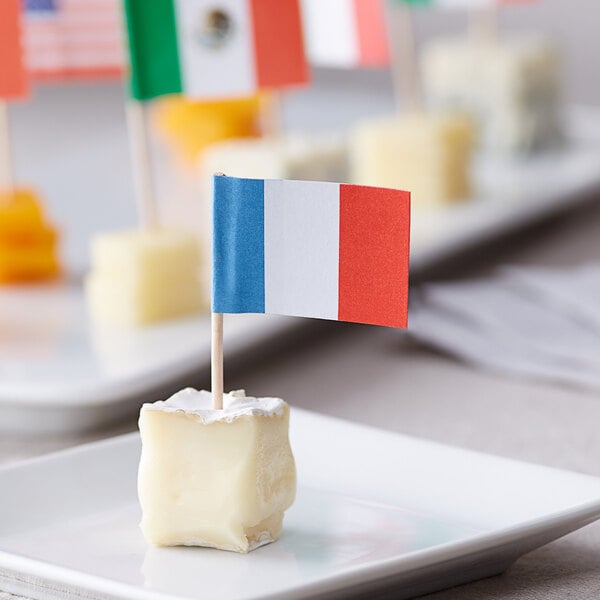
153,50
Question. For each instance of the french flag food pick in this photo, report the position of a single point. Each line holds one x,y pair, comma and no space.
311,249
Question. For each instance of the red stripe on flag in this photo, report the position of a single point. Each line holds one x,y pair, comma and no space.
52,75
278,43
374,251
372,33
13,81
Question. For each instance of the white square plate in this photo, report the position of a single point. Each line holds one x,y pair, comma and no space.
373,509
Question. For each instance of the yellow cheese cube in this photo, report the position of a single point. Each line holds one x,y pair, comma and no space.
192,126
27,244
27,264
221,479
427,155
139,277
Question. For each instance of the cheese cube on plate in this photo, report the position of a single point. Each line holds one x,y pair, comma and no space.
221,479
512,87
28,245
426,154
140,277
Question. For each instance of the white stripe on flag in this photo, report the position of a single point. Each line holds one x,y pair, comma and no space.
302,233
227,70
331,32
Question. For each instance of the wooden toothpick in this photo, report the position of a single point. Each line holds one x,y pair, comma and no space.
271,109
216,360
6,166
405,63
216,354
142,164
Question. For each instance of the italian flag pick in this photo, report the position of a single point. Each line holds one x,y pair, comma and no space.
210,49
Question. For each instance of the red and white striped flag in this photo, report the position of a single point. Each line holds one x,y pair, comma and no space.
346,34
73,38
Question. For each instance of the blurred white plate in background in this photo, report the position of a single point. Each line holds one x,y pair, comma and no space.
373,509
513,193
59,373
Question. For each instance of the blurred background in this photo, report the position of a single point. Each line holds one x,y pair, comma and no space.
86,120
497,136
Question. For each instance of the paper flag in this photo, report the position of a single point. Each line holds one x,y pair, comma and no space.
209,50
311,249
13,80
346,33
73,39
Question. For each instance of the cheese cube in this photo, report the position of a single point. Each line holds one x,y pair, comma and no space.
20,210
220,479
312,158
192,126
27,264
28,245
510,86
139,277
425,154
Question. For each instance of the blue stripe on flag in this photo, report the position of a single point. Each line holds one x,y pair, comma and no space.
238,245
40,5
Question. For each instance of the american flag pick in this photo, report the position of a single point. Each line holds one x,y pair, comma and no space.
74,38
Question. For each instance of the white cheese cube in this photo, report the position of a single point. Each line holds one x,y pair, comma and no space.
429,155
221,479
140,277
315,158
510,86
